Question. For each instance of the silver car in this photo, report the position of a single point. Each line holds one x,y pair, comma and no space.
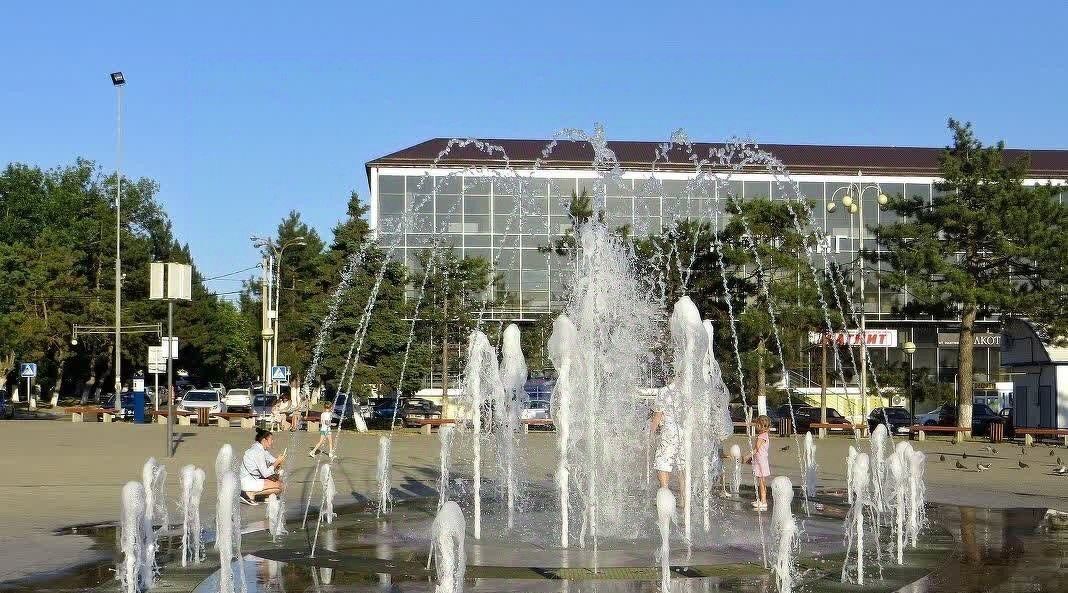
197,399
239,398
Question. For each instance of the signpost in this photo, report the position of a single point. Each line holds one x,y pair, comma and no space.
279,374
157,365
178,286
28,370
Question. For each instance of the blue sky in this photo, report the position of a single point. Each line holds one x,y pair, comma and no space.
242,113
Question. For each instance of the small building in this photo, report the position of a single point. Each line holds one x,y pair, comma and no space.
1039,372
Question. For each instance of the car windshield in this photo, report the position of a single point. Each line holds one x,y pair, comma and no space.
891,413
239,392
983,410
201,396
833,413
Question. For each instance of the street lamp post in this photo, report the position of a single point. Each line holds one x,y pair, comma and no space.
273,278
910,349
118,81
856,207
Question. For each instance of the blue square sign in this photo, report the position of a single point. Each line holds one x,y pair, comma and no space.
279,373
28,370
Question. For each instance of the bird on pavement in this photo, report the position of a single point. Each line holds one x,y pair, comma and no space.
994,450
1051,452
941,457
1060,471
961,466
1023,465
964,455
1059,462
786,448
979,467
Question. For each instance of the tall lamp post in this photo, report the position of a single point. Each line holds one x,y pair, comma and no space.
272,326
118,81
909,348
853,201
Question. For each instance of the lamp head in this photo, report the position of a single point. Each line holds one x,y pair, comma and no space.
74,341
118,79
884,199
853,208
909,348
831,206
847,200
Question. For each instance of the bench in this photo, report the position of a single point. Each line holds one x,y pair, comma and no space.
223,419
921,430
543,422
1029,433
427,424
859,430
182,418
91,414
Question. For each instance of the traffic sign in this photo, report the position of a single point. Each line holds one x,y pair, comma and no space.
157,360
173,346
28,370
279,373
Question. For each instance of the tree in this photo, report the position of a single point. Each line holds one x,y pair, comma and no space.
986,244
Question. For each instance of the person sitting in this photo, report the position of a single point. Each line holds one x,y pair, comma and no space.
260,476
280,413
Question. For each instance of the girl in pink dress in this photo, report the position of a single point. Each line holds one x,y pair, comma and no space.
759,459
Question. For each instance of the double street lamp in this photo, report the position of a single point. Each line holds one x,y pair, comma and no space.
853,201
909,348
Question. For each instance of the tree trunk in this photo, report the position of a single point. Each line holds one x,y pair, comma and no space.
761,371
91,383
59,375
109,363
964,367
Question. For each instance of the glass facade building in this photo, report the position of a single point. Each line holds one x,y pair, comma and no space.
481,205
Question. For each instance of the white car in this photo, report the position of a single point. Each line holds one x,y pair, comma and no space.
197,399
239,398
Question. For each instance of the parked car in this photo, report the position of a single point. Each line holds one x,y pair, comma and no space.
410,409
7,410
262,404
239,398
196,399
536,409
929,418
218,387
897,420
982,416
807,415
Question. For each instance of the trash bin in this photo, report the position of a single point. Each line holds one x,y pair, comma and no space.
139,407
785,428
202,416
997,431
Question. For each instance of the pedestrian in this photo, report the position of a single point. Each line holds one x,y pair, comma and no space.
759,459
325,435
260,470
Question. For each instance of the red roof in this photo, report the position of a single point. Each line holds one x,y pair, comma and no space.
798,158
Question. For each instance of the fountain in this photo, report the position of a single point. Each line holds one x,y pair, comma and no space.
666,515
561,348
784,533
228,535
878,467
811,468
384,478
450,560
192,479
153,479
276,517
899,483
131,538
481,388
445,434
224,462
736,480
917,494
854,522
513,373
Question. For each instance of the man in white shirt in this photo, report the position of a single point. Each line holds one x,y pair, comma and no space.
259,469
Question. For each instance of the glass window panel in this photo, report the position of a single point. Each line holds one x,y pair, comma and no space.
472,252
645,226
476,223
535,225
647,206
558,225
447,204
505,205
535,205
892,191
390,184
675,208
420,223
730,189
503,223
391,203
624,188
452,241
756,189
619,206
538,187
534,241
920,190
450,223
561,187
476,186
448,185
782,190
507,242
838,221
476,205
419,240
675,188
477,240
587,185
536,299
396,256
508,259
535,260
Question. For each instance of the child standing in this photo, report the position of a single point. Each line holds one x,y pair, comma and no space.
759,459
325,436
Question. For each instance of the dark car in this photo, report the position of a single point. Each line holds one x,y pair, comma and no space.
897,420
385,411
7,411
982,416
807,415
346,407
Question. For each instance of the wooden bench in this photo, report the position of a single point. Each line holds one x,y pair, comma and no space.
822,427
427,424
91,414
182,418
1030,432
223,419
921,430
543,422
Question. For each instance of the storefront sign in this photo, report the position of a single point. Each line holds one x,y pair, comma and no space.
985,340
873,338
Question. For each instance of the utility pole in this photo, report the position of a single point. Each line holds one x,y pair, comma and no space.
823,383
266,333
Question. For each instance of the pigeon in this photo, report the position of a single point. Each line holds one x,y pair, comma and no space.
1051,452
961,466
979,467
1060,471
786,448
941,457
994,450
1059,462
964,455
1023,465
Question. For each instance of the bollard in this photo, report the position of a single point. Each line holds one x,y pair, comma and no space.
1029,440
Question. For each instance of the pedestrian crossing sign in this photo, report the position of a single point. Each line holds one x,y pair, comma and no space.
279,373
